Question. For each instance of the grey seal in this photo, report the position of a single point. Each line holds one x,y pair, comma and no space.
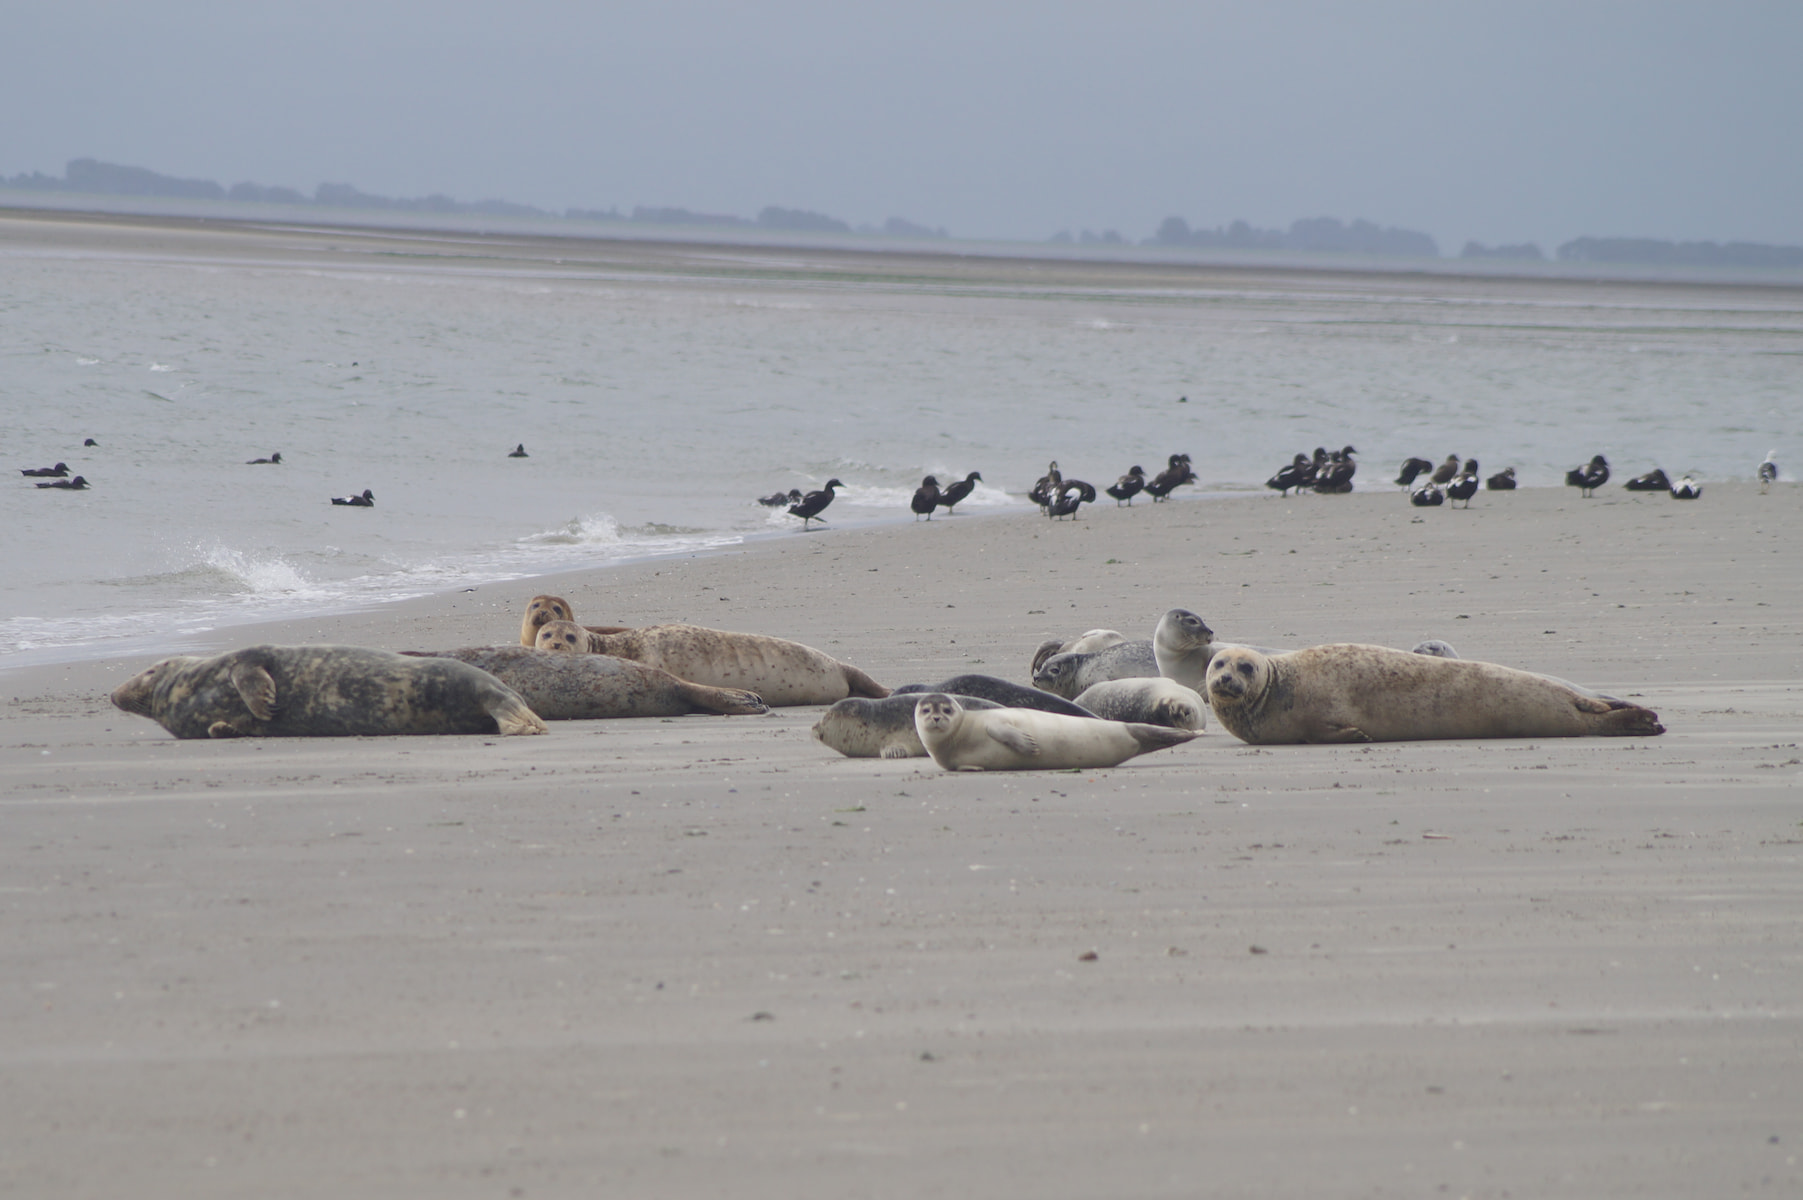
322,691
1069,673
780,671
861,728
1001,691
1183,644
1023,739
1357,693
1095,639
578,687
1146,702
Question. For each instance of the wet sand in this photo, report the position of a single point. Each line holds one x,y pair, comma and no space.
707,956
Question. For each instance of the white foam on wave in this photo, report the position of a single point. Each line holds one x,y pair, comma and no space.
595,529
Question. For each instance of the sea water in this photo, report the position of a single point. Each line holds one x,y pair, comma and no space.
660,390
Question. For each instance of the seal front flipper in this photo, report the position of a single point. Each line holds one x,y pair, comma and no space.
222,729
1341,734
1016,740
257,688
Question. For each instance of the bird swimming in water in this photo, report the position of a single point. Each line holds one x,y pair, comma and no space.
78,484
91,442
56,472
275,458
366,500
1127,486
926,498
1589,477
778,499
518,451
1502,481
1685,489
810,505
1410,468
1768,470
958,489
1654,480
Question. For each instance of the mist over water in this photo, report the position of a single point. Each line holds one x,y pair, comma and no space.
660,390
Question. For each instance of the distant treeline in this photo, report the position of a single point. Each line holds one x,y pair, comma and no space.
110,179
1312,234
1680,254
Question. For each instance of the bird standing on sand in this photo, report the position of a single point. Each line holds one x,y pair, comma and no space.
1589,477
1335,475
926,498
957,490
366,500
1410,468
1127,486
1465,486
1071,493
1045,488
1768,471
1174,476
813,503
1293,476
1443,474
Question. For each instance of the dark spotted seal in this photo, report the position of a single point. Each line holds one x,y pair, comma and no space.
322,691
1001,691
578,687
1146,702
1068,674
1356,693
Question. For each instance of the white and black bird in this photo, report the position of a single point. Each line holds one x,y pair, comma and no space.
1428,495
1687,489
1465,486
1071,493
1128,486
366,500
1589,477
1768,470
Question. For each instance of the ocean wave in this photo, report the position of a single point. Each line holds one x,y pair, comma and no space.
596,529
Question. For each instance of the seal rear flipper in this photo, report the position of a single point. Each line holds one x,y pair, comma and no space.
1630,720
513,717
862,684
1016,740
257,688
1340,734
1158,737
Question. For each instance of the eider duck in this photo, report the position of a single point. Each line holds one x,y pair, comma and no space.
1412,467
1768,470
1502,481
1685,489
1128,486
958,489
778,499
56,472
1654,480
78,484
810,505
275,458
518,451
1589,477
366,500
926,498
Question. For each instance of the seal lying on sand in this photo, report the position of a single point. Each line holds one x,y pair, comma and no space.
1095,639
322,691
1355,693
1069,673
1021,739
1000,691
1146,702
779,671
577,687
861,728
554,608
1183,644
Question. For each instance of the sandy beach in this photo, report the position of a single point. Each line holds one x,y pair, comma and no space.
708,956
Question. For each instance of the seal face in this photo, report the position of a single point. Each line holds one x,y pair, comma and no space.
1147,702
861,728
570,687
1021,739
1357,693
541,609
322,691
780,671
1069,673
1000,691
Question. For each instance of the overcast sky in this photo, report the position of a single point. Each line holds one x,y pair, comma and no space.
1502,121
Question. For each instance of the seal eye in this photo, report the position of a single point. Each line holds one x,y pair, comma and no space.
1245,668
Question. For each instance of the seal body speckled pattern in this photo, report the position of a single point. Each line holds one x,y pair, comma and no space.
1095,639
577,687
1070,673
780,671
1024,739
1147,702
1183,644
1002,692
541,609
860,728
322,691
1357,693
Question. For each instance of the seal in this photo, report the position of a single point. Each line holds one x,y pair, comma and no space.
861,728
1434,647
1183,644
580,687
1069,673
1357,693
998,691
322,691
1021,739
554,608
1146,702
781,672
1095,639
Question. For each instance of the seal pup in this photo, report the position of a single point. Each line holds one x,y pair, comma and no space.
1768,471
1654,480
1685,489
366,500
1357,693
861,728
1127,486
78,484
1095,639
578,687
998,691
1502,481
518,451
810,506
1412,467
1020,739
778,499
1146,702
59,471
1069,673
958,490
781,672
541,609
273,460
926,498
1589,477
322,691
